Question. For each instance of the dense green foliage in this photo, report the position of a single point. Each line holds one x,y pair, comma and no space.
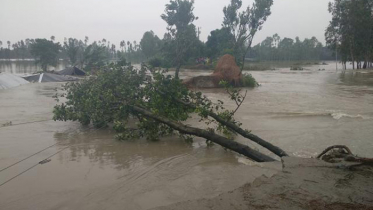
219,43
181,34
73,49
94,56
106,98
245,24
248,80
45,52
350,31
150,44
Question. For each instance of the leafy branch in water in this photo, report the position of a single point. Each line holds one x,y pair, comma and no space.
150,104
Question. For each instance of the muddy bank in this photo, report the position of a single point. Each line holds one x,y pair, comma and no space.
303,184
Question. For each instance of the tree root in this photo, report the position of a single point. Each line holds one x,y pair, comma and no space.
339,153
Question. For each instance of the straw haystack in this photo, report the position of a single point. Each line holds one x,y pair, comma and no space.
226,69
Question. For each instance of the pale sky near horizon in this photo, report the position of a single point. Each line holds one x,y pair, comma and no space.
117,20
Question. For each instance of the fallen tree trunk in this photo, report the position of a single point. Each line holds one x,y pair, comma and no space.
276,150
222,141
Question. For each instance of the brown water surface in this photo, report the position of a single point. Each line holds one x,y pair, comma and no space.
301,111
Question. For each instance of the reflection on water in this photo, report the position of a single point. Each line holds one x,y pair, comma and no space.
26,66
357,78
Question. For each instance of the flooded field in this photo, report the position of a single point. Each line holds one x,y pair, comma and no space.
302,112
26,66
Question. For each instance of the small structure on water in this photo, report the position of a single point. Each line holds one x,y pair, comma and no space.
48,77
73,71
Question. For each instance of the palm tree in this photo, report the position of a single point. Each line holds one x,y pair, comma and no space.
53,38
122,43
8,42
86,39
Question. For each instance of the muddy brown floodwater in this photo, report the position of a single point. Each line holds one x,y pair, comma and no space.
301,111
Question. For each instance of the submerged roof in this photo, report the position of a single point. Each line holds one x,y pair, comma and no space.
10,80
48,77
72,71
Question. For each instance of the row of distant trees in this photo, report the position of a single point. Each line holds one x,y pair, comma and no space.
180,44
77,52
350,31
271,49
276,49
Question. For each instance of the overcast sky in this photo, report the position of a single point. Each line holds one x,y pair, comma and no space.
127,20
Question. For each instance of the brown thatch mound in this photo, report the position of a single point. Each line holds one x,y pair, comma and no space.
226,69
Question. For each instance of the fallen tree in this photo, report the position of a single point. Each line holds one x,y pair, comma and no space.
160,106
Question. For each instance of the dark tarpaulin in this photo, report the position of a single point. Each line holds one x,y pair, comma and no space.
72,71
48,77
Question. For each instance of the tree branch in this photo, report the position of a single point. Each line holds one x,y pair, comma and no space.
276,150
222,141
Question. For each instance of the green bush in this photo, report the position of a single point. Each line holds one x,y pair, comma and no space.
159,62
155,62
247,80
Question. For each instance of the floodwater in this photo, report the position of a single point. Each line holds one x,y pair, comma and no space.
301,111
26,66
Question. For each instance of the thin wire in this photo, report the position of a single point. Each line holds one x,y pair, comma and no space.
32,154
27,158
32,167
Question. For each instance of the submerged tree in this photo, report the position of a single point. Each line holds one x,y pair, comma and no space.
45,52
245,24
350,31
182,32
94,57
150,44
74,50
219,42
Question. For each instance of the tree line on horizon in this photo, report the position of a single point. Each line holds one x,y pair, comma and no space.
274,48
152,47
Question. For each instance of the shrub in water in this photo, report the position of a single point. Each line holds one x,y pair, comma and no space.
247,80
